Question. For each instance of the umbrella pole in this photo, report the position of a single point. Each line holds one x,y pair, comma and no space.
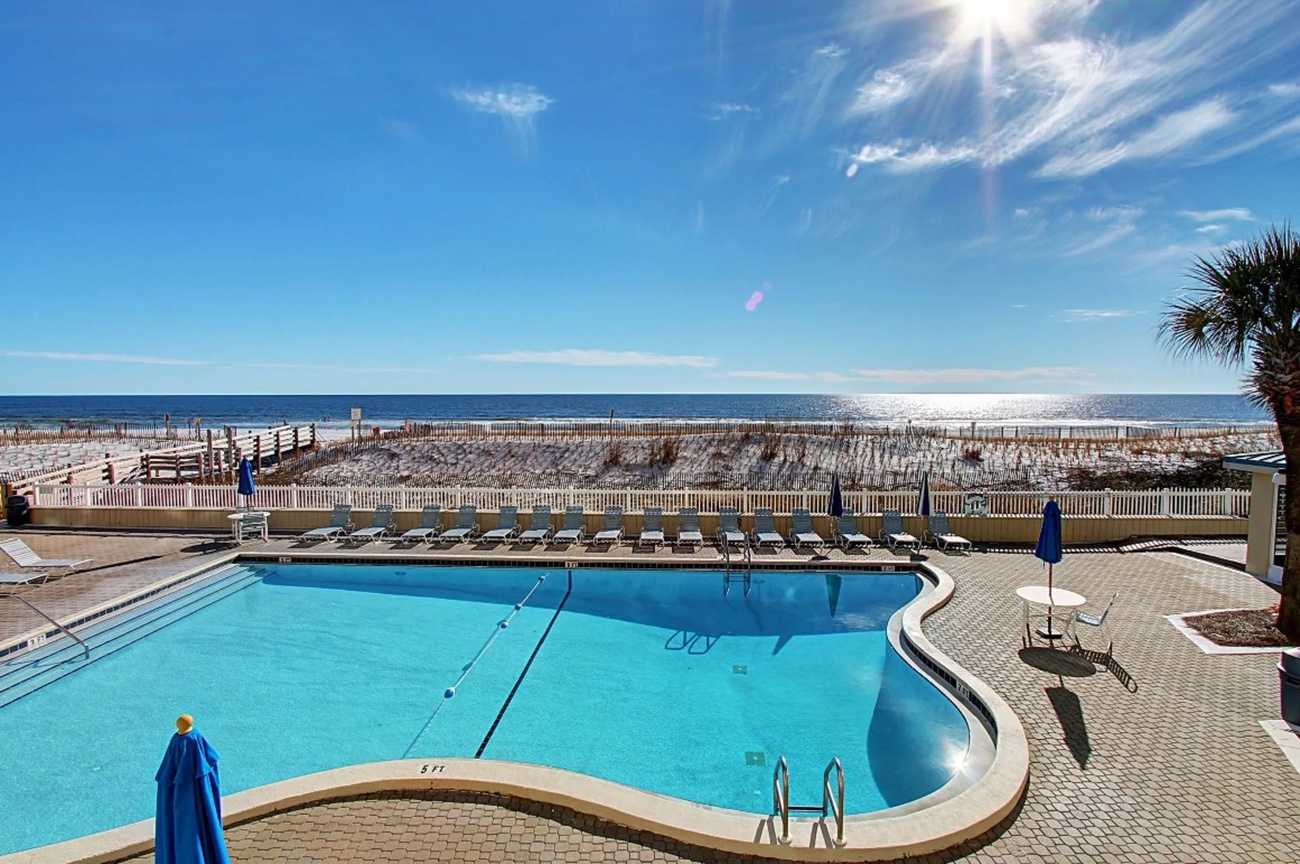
1050,634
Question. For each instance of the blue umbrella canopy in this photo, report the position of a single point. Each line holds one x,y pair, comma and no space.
924,508
187,824
246,486
1049,535
836,507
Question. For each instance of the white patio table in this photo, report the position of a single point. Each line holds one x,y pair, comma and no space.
1056,598
248,520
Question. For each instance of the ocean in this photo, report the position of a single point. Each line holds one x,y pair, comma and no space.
334,411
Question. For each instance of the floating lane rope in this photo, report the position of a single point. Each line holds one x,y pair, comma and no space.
450,692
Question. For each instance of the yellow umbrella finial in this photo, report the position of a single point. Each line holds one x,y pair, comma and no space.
184,724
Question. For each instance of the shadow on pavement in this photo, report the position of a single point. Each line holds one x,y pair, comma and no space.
1068,710
1063,663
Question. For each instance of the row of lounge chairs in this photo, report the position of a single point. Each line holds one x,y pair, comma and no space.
573,530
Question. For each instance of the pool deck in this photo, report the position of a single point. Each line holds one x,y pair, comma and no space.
1159,756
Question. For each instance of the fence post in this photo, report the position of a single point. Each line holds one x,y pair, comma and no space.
1227,502
1105,503
1164,502
293,496
189,495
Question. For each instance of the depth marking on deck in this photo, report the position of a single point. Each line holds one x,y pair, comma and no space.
524,672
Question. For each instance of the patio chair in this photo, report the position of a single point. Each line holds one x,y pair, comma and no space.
16,579
801,531
340,523
1098,621
252,524
729,532
847,533
938,533
892,531
466,525
765,533
573,530
612,531
652,527
24,556
688,527
507,525
539,529
428,527
380,526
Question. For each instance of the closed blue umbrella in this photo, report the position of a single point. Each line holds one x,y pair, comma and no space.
924,509
187,824
836,507
1049,548
246,486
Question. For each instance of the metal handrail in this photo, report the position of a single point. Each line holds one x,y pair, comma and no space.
835,804
781,798
80,641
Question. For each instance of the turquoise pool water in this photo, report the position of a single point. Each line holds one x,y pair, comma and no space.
653,678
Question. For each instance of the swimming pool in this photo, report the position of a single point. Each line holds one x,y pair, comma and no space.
671,681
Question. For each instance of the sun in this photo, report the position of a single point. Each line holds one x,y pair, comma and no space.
1011,20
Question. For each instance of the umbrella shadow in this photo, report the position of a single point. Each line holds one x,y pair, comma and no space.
1070,712
1063,663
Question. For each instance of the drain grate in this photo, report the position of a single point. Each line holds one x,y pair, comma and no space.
755,757
739,670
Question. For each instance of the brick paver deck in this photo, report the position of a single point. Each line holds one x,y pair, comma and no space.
1173,767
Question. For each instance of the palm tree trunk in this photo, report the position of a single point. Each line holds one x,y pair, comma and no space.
1288,616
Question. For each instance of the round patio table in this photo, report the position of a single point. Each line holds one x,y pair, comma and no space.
252,517
1056,598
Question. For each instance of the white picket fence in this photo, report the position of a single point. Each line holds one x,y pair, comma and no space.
1170,502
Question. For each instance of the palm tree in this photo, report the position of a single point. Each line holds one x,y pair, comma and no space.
1246,310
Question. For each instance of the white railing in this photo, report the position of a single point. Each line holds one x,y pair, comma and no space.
1169,502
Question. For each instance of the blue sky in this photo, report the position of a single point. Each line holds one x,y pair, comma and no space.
420,197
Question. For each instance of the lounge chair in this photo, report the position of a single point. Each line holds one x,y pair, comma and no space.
652,527
1098,621
765,533
573,530
801,532
507,525
847,533
340,523
729,532
941,536
612,531
428,527
466,525
24,556
688,527
380,526
892,531
539,530
16,579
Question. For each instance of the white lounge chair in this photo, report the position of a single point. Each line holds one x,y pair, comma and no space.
27,578
688,527
1098,621
765,533
573,529
892,531
380,526
507,525
466,525
942,537
847,533
430,516
801,531
652,527
612,531
340,523
24,556
539,530
729,532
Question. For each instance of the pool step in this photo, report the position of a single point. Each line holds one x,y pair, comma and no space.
62,656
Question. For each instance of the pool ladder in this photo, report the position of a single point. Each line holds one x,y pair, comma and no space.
832,800
727,576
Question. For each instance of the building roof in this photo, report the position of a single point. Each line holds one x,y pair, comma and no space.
1265,460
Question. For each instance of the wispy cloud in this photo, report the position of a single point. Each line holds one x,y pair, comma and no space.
104,358
597,357
725,110
966,376
1209,229
515,104
923,157
1083,315
764,375
1116,223
1285,89
1238,213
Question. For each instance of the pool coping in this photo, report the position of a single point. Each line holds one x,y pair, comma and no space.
983,803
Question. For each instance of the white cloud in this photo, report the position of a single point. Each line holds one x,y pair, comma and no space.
885,89
961,376
921,158
103,358
724,110
1078,315
1285,89
764,375
1209,229
830,51
597,357
1238,213
520,101
1117,222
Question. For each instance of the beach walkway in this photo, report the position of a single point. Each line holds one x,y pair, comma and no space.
1159,758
